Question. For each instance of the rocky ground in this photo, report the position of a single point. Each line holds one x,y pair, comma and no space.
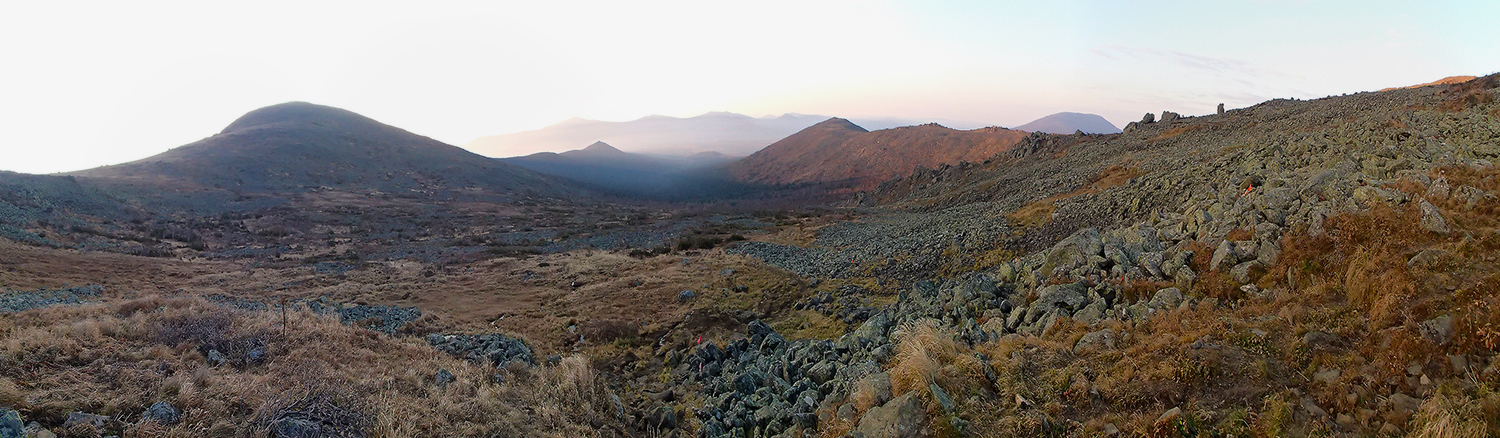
1211,225
1296,268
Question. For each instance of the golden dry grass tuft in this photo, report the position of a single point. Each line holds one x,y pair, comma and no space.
1034,214
117,359
921,349
1468,94
1180,130
1443,416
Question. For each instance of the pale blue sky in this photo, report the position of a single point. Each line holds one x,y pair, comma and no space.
92,84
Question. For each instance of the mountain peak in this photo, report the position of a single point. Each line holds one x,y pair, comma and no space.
296,112
1068,123
600,146
290,147
597,150
839,123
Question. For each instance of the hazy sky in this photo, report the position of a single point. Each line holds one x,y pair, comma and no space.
83,85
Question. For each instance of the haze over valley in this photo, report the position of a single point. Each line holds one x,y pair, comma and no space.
1007,219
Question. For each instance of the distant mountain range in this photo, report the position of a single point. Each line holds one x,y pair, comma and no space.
838,150
1068,123
299,146
723,132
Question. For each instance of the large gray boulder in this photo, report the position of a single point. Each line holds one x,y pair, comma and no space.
1224,258
10,424
1083,248
1095,341
902,417
1432,219
1070,297
1439,189
1248,272
163,413
1131,242
1166,299
78,419
1185,277
873,331
1438,330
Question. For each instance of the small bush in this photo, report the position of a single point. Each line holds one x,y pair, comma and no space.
601,331
698,242
323,411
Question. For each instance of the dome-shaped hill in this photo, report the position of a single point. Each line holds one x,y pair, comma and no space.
1068,123
298,145
299,112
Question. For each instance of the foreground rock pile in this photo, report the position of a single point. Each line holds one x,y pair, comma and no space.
763,385
13,425
19,301
1192,207
495,349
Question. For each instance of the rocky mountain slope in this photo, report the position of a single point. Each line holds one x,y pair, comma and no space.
33,205
1068,123
289,172
838,151
1294,268
1444,81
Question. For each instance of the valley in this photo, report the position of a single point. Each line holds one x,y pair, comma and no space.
1319,267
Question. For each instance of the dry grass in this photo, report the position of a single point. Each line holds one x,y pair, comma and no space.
1034,214
1448,417
1180,130
959,262
926,355
808,324
1039,212
118,359
921,350
1469,94
1245,367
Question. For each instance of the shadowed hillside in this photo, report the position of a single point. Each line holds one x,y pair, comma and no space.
298,146
604,167
1321,267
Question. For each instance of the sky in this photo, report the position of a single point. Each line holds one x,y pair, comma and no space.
88,84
